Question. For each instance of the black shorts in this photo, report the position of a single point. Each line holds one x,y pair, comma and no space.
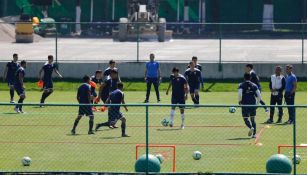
249,111
180,100
194,87
20,90
85,110
48,85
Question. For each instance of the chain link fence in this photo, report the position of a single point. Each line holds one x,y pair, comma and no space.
44,134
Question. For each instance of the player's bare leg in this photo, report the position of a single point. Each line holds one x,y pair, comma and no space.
73,131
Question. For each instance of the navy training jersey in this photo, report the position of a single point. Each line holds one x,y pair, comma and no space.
178,85
48,70
97,81
249,93
107,72
21,71
111,84
116,97
193,77
84,92
12,67
254,78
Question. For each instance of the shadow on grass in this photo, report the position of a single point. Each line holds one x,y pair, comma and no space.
10,113
169,129
245,138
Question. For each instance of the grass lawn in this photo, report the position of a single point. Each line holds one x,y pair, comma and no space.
44,135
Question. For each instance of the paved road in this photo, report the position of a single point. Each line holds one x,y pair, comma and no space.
101,50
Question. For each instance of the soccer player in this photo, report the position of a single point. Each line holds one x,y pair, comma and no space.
107,87
19,86
84,97
97,79
193,76
198,66
277,86
9,75
179,94
152,76
112,66
249,94
45,74
291,86
249,68
116,97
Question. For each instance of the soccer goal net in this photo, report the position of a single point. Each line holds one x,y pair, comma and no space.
288,150
168,153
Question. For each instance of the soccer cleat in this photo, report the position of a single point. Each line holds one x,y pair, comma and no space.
279,121
111,127
114,126
158,101
145,101
90,133
12,101
269,121
22,112
125,135
17,110
250,132
254,136
182,126
73,132
289,122
171,124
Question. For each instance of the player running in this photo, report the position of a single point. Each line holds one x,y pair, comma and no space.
249,68
19,86
179,94
9,75
45,75
249,94
193,76
84,97
116,97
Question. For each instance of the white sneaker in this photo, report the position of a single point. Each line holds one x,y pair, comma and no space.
12,101
171,124
17,110
22,112
251,132
182,126
254,136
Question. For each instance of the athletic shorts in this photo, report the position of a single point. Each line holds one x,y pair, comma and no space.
20,90
176,100
194,87
114,115
48,85
10,82
85,110
249,111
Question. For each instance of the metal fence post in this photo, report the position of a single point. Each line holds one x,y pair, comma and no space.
138,43
303,43
147,139
56,45
220,48
294,144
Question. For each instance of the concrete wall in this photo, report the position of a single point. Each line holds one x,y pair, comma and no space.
136,70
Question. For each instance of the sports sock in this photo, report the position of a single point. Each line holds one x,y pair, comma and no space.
123,127
20,101
44,96
91,124
12,93
197,98
75,124
253,124
182,119
172,114
247,123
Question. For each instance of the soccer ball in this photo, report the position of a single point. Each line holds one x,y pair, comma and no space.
165,122
196,155
160,157
26,161
232,109
297,159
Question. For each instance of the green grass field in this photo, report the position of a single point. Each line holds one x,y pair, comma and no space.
44,135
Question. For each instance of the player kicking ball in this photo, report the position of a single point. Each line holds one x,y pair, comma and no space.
84,97
116,97
249,94
45,75
179,94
